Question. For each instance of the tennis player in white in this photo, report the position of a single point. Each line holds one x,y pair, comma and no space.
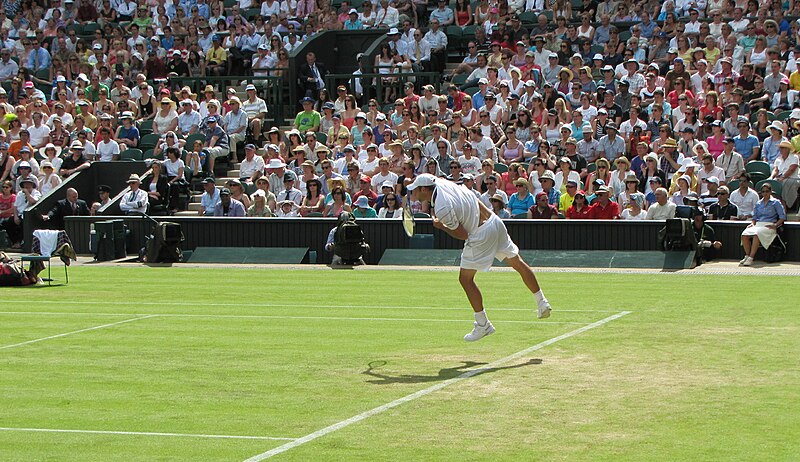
461,214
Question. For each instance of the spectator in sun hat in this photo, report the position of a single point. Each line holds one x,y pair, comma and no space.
362,209
75,162
770,149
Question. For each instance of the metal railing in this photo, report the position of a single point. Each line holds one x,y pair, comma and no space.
433,78
273,89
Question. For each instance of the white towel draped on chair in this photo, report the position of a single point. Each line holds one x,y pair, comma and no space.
48,239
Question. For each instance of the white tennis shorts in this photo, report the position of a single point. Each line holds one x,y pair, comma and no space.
489,241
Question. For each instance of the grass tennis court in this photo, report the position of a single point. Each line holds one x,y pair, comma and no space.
177,364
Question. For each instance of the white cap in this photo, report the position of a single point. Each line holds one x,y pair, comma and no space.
425,179
97,46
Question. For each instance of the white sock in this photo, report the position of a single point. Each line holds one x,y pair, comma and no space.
481,318
539,296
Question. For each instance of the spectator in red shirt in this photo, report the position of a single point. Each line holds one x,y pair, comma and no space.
456,96
541,210
603,208
410,97
365,190
579,210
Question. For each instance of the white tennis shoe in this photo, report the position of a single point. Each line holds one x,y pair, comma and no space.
479,332
748,261
743,260
544,310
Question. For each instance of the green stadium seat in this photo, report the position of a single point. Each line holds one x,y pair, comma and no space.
460,79
520,215
758,166
528,17
783,115
591,167
90,28
149,141
251,13
322,137
755,177
133,154
146,125
192,138
500,168
454,33
471,90
468,32
732,185
777,187
148,154
314,214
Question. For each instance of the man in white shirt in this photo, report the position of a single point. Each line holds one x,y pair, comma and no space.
709,170
8,67
663,209
387,15
39,132
438,44
459,213
252,166
134,201
235,124
482,145
744,198
66,118
107,149
419,52
382,175
256,109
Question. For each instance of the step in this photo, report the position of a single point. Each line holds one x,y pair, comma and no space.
233,173
194,207
186,213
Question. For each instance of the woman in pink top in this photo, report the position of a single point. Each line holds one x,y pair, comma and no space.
514,172
716,142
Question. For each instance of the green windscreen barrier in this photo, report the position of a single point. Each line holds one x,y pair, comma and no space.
421,257
254,255
550,258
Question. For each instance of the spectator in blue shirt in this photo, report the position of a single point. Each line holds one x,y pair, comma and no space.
746,144
768,216
353,23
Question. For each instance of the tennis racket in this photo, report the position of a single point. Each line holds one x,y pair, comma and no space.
408,221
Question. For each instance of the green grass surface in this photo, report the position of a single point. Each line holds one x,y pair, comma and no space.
704,368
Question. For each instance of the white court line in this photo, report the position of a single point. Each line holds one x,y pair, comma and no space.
365,305
429,390
182,435
244,316
76,332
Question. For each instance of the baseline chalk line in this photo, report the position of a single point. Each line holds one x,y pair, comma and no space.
5,347
385,407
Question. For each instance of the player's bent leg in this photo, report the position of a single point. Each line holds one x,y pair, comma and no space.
543,306
467,279
482,326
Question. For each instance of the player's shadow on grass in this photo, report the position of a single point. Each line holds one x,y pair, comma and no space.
444,374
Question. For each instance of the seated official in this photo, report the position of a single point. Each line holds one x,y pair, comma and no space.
768,216
70,206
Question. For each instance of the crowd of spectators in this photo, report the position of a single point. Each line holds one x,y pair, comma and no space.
607,110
